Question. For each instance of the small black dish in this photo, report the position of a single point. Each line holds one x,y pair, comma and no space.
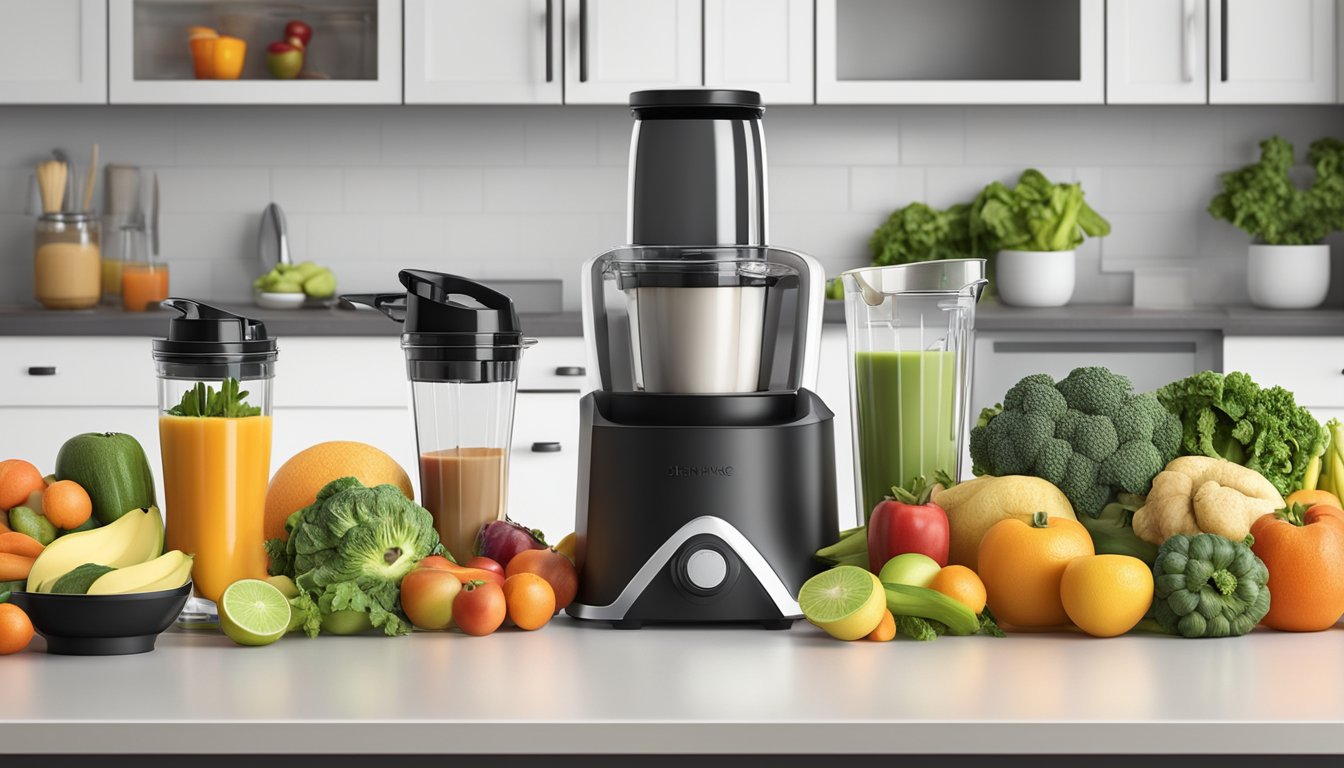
102,625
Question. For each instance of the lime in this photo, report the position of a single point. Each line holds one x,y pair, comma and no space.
253,612
846,601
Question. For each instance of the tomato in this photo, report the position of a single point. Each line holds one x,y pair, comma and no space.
485,564
479,608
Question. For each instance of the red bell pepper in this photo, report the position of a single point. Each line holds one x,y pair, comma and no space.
905,522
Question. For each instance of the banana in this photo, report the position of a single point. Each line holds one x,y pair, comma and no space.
906,600
167,571
132,539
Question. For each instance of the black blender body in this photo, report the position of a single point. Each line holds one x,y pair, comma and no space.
706,477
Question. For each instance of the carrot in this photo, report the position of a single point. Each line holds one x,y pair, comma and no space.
20,544
14,567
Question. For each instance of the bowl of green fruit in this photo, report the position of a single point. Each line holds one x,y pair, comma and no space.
291,286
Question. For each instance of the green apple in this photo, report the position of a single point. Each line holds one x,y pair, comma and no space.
284,60
912,568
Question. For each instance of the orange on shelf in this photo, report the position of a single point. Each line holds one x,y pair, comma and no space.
143,286
229,55
203,57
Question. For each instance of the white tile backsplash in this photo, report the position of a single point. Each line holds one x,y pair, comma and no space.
534,191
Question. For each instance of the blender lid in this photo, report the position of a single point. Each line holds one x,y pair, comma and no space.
696,103
695,274
207,335
943,276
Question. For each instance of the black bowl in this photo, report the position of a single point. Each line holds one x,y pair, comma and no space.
102,625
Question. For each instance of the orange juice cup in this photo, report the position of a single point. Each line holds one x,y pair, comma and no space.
229,55
203,57
143,286
215,371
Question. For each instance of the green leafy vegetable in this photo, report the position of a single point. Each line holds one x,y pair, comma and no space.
203,401
1207,585
1089,434
1112,531
1229,416
919,233
925,630
1036,215
349,550
1263,201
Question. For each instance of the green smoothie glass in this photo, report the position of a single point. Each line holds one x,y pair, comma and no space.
910,330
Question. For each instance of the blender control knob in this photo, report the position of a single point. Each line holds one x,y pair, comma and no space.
706,568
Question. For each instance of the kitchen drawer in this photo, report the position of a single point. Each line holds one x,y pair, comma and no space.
555,364
1311,368
77,370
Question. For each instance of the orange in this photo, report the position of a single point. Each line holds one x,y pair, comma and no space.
296,483
886,629
1022,564
1106,595
18,479
66,504
1311,498
530,600
16,631
1305,558
961,584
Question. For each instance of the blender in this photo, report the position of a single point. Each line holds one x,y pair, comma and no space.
215,370
463,343
910,329
706,476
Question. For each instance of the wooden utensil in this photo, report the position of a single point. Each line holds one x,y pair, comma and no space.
51,176
88,183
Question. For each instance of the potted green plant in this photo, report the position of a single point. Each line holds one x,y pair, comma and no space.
1288,266
1034,229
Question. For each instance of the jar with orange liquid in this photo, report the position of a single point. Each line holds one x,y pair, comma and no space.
215,370
144,277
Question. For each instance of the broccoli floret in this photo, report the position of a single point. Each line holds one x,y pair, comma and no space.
1088,434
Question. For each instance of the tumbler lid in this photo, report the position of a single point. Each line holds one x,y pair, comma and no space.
206,337
696,103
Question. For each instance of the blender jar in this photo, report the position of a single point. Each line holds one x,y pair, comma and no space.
215,371
462,342
910,350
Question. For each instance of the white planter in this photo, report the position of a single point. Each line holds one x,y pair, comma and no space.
1288,276
1034,278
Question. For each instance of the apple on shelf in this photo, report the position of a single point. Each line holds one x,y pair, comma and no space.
285,57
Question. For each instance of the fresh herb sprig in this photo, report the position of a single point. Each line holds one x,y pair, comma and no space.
203,401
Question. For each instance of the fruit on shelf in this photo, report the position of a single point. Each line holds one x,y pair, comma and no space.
460,572
284,60
305,277
66,504
134,538
167,571
963,585
846,601
485,564
479,608
16,631
31,523
1022,565
18,479
1106,595
427,596
501,540
912,568
346,622
552,566
529,599
253,612
295,485
298,33
112,468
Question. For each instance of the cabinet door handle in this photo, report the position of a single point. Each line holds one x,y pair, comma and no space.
571,370
42,370
1189,20
1222,64
545,447
583,41
550,54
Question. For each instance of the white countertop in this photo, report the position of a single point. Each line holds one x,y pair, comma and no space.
590,689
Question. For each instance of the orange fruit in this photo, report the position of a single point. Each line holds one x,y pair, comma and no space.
16,631
296,483
66,504
961,584
1022,564
1106,595
18,479
530,600
1312,498
886,629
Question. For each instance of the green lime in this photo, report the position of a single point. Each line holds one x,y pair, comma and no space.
253,612
846,601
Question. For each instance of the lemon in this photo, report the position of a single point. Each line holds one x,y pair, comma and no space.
1106,595
846,601
253,612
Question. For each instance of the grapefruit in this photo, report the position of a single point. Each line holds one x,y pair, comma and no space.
296,483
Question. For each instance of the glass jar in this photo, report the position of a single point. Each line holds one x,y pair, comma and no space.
67,261
144,277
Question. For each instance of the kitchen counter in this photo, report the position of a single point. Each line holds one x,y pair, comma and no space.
573,688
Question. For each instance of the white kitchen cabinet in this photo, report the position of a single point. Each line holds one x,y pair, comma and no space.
1272,52
483,52
761,45
355,55
1312,368
53,52
960,52
613,47
1157,52
544,462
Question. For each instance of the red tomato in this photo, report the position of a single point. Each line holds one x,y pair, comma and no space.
485,564
896,528
479,608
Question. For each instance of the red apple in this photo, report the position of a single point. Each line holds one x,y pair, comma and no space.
485,564
427,597
301,30
284,60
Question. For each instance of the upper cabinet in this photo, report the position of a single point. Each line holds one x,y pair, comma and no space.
960,52
53,52
353,56
1157,52
760,45
1272,52
483,52
613,47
